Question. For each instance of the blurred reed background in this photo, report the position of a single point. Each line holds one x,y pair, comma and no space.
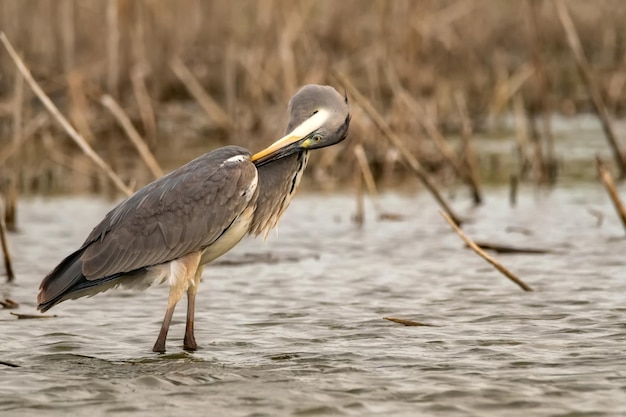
192,75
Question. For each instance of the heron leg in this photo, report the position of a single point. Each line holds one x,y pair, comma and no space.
189,342
159,345
183,271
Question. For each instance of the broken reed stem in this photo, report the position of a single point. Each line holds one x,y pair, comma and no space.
84,146
8,265
124,121
607,180
584,68
469,242
210,106
361,159
395,141
471,163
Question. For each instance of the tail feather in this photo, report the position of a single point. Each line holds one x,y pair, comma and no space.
67,282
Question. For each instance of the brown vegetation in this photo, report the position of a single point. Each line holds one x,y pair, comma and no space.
191,75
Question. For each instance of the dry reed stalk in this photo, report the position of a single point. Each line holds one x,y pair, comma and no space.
73,163
113,47
471,162
507,88
8,265
146,111
598,215
469,242
18,106
359,216
134,136
513,190
230,79
539,161
522,138
440,142
380,123
407,322
79,106
607,180
361,158
68,37
288,63
265,82
88,150
541,82
10,214
31,128
210,106
586,73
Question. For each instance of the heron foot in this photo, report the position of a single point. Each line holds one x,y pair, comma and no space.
189,343
159,346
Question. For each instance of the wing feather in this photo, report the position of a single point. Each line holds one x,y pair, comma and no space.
177,214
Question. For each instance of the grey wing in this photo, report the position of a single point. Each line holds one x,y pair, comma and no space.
177,214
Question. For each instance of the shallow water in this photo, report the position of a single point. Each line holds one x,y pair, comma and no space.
305,336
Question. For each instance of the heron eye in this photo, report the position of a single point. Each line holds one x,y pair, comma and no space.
317,138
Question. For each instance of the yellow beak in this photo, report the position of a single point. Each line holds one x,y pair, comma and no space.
279,144
301,131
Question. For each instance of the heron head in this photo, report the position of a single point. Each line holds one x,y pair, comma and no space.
318,117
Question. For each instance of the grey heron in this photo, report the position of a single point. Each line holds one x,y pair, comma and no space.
171,228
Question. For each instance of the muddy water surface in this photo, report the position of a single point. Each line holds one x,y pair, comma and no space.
303,334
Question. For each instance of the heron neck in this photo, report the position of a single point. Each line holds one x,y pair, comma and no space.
277,185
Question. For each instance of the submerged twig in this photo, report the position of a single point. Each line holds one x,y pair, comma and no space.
469,242
9,364
88,150
9,304
384,127
607,180
32,316
511,249
408,322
